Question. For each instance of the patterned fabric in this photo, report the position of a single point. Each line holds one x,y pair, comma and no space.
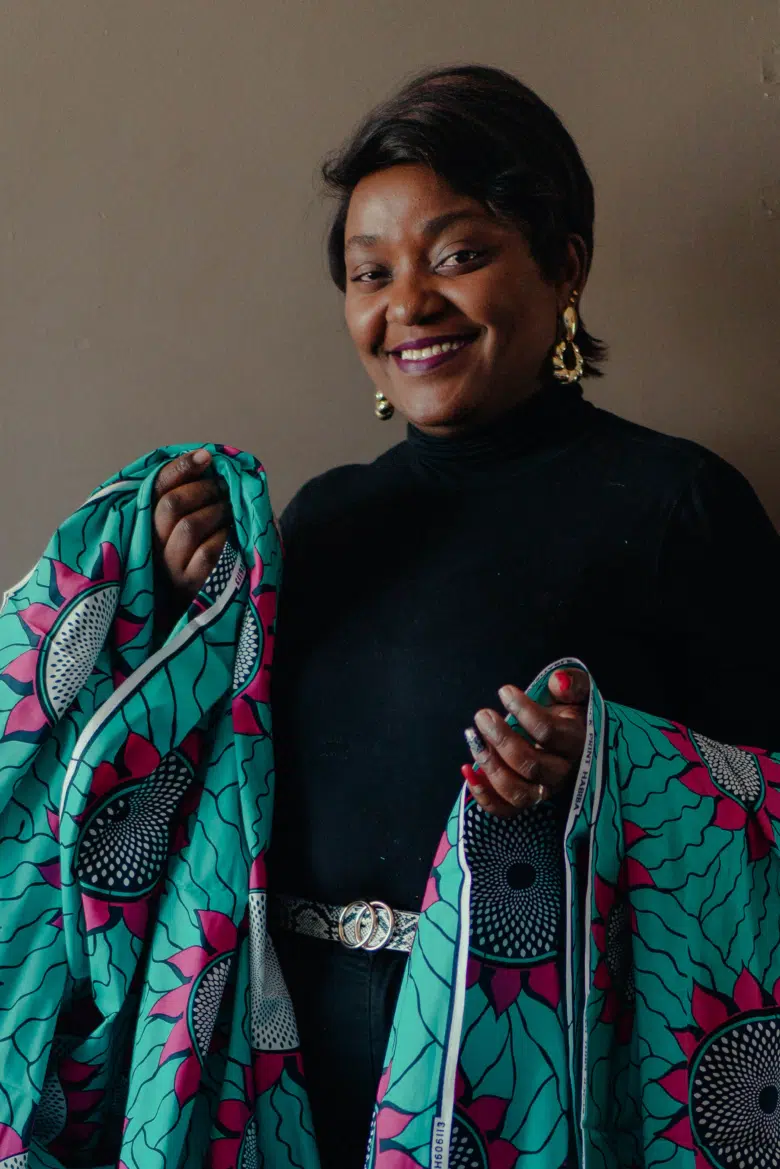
601,988
145,1022
613,1002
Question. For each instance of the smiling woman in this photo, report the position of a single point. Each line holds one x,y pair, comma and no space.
425,268
516,525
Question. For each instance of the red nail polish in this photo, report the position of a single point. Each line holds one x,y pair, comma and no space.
473,778
564,682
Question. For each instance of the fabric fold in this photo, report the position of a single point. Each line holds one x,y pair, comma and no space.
593,983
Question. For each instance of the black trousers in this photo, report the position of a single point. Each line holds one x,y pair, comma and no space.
344,1002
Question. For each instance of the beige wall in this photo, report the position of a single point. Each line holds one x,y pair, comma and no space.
162,275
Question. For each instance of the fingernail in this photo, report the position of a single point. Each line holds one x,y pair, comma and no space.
564,682
486,721
507,696
469,775
200,458
475,742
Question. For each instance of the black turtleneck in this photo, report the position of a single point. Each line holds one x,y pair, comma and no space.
417,585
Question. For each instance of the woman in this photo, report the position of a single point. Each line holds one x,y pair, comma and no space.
515,525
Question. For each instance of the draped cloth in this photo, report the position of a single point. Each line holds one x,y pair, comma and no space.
599,988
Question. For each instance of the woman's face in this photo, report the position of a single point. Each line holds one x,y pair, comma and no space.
447,308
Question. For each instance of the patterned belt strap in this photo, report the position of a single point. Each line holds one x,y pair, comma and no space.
361,925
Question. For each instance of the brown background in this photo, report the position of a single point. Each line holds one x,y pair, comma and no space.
162,274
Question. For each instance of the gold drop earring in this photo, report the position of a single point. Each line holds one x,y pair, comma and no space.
382,407
571,371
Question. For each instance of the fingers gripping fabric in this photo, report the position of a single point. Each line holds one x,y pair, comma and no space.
144,1021
595,984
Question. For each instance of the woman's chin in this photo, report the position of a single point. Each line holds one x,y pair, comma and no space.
439,413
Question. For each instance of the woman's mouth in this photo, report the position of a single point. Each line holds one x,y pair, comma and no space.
429,352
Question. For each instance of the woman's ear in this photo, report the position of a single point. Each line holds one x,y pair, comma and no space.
575,271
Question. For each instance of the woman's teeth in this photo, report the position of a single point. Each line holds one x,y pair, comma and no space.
430,351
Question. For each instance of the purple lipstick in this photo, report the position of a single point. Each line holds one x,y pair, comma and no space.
421,354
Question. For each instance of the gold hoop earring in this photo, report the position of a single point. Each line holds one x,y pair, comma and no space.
571,372
383,409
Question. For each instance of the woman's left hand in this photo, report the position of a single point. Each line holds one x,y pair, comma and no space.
515,774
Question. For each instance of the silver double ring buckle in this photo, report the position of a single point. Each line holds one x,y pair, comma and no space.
365,938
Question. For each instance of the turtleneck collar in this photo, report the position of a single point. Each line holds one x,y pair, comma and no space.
551,418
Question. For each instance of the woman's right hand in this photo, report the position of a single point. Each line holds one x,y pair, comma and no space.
192,520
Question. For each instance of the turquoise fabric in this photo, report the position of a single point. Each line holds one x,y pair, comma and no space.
616,1009
144,1018
602,992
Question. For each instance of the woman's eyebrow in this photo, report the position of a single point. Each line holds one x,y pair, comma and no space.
440,222
431,228
361,241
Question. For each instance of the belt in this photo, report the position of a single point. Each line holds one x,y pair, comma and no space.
361,925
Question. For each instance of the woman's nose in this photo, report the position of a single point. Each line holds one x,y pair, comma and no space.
412,301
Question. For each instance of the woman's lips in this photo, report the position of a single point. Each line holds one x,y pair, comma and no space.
424,357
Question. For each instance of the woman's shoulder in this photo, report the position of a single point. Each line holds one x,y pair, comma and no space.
623,435
334,492
667,464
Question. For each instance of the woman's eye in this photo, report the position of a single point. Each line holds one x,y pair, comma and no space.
368,277
459,258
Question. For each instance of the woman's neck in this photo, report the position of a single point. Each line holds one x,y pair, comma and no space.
551,415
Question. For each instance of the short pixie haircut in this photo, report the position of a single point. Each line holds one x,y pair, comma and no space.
493,139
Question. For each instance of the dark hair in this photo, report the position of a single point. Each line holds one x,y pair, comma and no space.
491,138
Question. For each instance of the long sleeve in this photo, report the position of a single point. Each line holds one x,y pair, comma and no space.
719,592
